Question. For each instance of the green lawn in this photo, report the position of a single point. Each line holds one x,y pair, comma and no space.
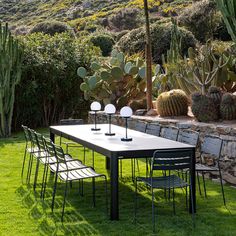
23,213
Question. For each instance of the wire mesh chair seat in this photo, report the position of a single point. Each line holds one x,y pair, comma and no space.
167,161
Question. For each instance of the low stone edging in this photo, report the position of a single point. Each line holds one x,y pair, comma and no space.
226,131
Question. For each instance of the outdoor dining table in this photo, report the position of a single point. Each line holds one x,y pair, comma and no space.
142,146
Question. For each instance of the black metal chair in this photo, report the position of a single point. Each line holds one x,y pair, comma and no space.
167,161
67,171
211,145
169,133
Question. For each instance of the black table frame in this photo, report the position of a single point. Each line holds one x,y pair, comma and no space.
112,163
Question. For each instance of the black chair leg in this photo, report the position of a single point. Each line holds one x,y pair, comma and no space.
23,164
36,174
120,160
204,184
84,155
54,192
94,190
45,182
106,198
93,159
173,196
135,201
64,202
222,188
29,169
199,184
153,212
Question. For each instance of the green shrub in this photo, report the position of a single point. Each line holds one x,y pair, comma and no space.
203,20
125,19
134,41
104,41
50,89
51,28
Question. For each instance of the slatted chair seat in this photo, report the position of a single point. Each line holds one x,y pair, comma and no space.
163,182
79,174
33,149
71,165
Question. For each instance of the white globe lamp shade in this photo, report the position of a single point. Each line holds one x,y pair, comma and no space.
95,106
126,111
110,109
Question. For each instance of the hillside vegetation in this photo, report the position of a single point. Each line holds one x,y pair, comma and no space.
76,12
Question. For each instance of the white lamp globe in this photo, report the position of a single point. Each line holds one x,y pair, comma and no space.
95,106
126,111
110,109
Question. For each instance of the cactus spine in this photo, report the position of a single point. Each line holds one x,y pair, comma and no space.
172,103
228,107
228,10
10,74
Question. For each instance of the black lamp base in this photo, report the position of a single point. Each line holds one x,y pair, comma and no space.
126,139
95,129
110,134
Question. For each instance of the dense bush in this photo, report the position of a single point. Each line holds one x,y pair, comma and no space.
125,19
49,89
203,20
104,41
134,41
51,28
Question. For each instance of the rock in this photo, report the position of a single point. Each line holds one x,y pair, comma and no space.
152,112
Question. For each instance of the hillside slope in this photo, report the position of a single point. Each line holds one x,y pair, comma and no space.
30,12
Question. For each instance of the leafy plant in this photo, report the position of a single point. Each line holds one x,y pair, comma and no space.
10,75
117,80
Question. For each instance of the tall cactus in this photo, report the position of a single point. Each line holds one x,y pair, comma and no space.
10,74
228,10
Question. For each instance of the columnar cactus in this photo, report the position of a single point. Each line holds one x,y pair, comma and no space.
117,81
203,107
228,107
172,103
228,10
10,74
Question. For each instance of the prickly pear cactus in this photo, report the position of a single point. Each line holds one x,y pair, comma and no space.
172,103
203,107
117,81
228,107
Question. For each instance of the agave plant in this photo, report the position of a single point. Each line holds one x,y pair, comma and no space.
117,80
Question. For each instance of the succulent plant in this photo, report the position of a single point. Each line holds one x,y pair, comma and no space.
117,81
216,94
228,107
203,107
172,103
138,104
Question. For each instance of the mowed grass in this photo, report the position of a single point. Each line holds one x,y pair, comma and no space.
22,212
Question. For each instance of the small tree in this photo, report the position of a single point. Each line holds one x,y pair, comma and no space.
10,74
148,55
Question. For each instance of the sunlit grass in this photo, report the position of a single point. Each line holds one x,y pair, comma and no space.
23,213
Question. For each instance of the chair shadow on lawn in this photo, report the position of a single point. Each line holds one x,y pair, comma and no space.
82,219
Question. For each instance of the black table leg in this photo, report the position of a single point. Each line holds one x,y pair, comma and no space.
193,181
108,164
52,136
114,212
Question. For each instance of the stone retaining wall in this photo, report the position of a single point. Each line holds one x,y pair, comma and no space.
226,131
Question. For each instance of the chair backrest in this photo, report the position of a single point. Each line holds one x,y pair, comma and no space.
212,145
189,137
169,133
71,122
26,133
153,129
60,155
140,126
171,160
33,138
41,141
50,147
